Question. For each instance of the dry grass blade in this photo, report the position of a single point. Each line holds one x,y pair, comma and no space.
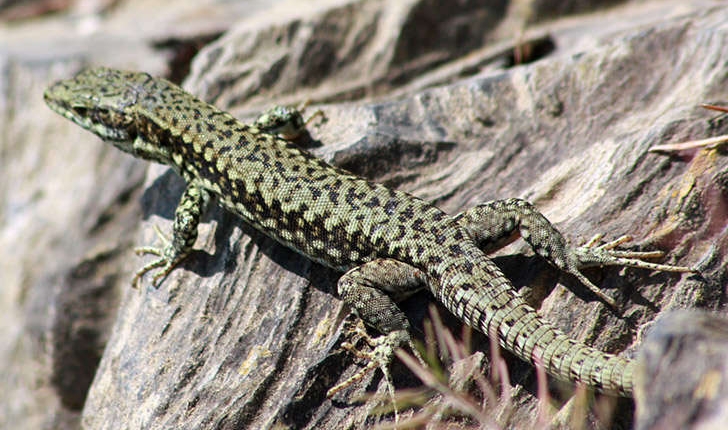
456,388
709,143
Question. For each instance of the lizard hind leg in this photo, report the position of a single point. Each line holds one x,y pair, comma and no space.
497,223
372,290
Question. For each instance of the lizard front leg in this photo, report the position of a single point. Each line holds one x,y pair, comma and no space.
187,216
286,121
372,290
497,223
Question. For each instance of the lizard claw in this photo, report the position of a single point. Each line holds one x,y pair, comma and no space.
166,261
286,121
590,255
166,266
380,356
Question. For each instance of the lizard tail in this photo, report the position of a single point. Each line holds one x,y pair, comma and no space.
495,308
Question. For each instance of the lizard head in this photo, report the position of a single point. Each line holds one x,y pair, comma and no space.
102,101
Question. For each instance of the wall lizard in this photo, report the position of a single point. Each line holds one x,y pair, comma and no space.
388,244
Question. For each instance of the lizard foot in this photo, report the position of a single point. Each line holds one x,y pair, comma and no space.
166,261
590,255
381,356
286,121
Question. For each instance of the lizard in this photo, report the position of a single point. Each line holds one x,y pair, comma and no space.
387,243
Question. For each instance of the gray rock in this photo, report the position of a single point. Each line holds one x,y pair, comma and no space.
252,339
682,378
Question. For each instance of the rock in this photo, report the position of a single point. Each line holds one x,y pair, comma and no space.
252,339
682,381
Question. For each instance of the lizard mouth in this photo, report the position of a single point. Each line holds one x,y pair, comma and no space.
95,120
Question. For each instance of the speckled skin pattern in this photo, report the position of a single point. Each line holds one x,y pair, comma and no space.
389,243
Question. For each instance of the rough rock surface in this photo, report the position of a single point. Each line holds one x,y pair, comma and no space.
421,95
682,378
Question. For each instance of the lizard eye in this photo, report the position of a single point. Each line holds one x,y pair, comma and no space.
81,111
